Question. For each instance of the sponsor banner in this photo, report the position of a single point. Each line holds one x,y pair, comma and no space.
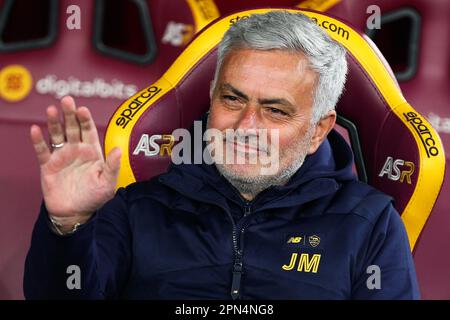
96,88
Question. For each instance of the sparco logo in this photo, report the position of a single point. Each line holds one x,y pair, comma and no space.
425,135
135,105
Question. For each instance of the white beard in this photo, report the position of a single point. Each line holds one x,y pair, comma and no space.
252,185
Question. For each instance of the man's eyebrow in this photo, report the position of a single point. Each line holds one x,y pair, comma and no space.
281,101
227,86
276,101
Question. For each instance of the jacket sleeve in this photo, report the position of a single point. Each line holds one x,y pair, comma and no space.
387,268
92,263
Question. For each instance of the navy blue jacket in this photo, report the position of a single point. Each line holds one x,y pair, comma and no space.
188,234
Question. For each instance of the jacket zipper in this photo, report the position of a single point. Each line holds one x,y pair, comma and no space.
237,274
238,267
238,264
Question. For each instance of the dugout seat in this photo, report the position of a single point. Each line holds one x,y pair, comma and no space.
396,149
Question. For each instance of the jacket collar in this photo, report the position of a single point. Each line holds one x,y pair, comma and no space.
320,175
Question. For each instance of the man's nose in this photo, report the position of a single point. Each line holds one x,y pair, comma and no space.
248,118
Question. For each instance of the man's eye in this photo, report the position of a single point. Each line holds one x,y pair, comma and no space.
277,112
230,98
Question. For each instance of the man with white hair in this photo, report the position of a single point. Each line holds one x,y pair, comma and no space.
306,230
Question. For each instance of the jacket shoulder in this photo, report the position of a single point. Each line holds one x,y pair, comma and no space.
361,199
149,189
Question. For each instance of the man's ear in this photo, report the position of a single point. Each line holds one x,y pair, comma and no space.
321,130
211,89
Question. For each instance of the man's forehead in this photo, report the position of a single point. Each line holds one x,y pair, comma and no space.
277,58
274,73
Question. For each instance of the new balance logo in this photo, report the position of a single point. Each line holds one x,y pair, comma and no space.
294,240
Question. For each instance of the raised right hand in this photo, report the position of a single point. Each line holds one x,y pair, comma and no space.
75,178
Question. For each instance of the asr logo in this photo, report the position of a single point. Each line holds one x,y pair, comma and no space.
15,83
397,170
314,240
150,147
303,262
178,34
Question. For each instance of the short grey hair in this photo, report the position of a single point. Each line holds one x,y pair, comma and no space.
294,32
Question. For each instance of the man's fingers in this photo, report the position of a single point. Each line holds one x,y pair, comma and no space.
54,126
39,144
73,133
112,164
88,130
